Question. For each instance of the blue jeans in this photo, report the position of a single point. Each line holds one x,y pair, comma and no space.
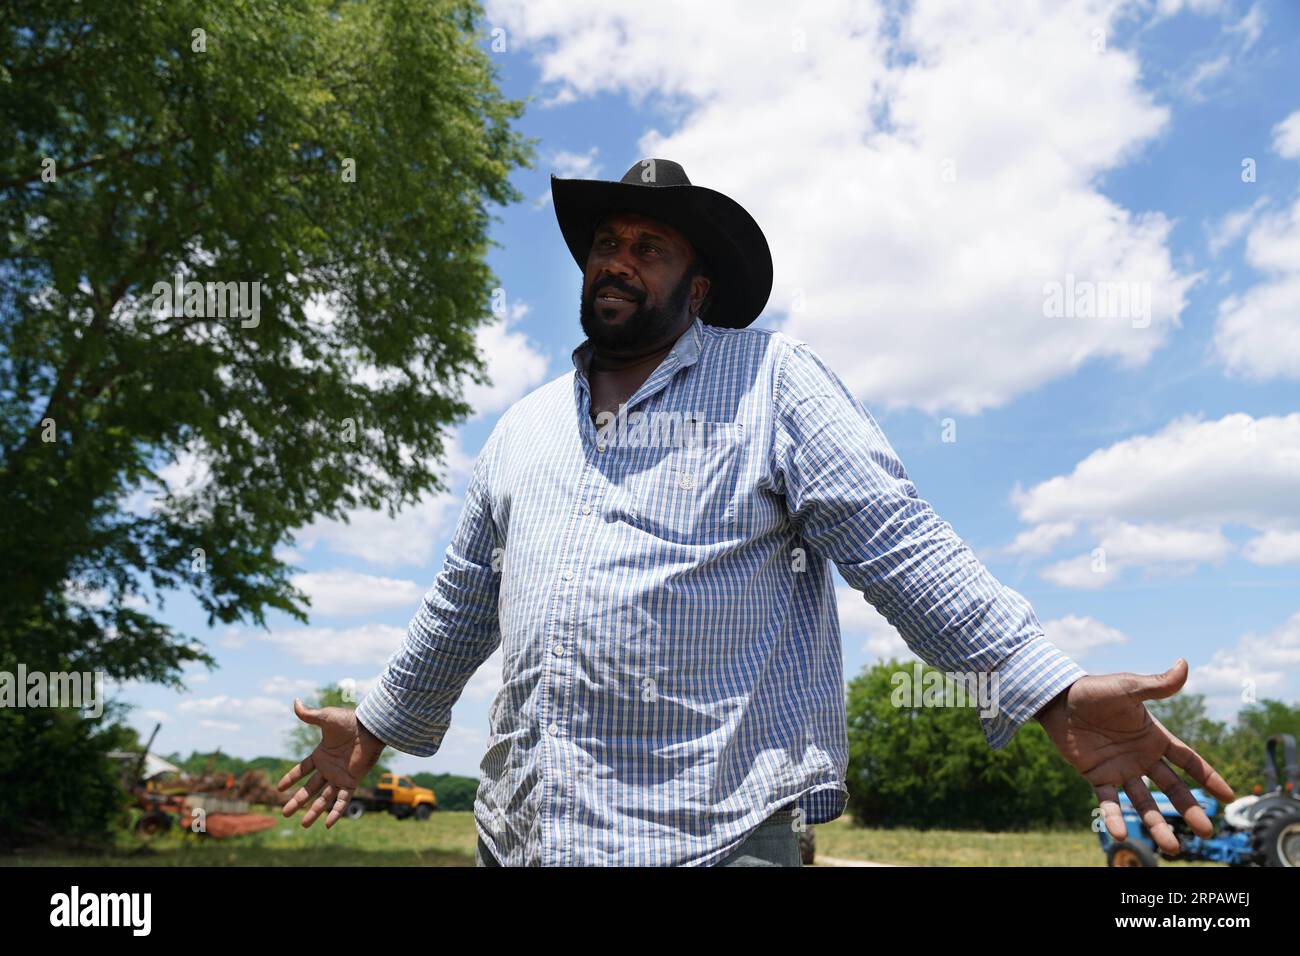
773,842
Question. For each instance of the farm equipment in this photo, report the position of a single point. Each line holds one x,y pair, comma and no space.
213,804
1260,829
397,795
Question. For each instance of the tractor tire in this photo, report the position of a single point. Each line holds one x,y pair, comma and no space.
355,811
807,846
1123,853
1276,838
423,811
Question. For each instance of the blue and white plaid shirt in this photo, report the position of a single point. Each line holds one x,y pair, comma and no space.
672,664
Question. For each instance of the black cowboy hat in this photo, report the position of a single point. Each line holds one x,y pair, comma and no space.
735,253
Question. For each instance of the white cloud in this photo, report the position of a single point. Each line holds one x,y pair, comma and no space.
1085,572
409,539
341,592
1042,538
1234,469
514,364
1204,73
1274,547
1261,665
567,165
258,708
1162,500
228,726
1286,137
882,257
486,681
278,686
1250,26
1128,544
1257,334
1079,636
369,644
1224,232
859,620
1168,8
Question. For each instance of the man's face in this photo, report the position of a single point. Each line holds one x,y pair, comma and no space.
638,288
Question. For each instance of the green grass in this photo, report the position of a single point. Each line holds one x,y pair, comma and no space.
448,837
842,838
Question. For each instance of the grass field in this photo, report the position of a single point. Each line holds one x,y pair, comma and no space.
448,837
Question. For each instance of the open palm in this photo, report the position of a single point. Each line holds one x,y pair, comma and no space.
1100,725
344,756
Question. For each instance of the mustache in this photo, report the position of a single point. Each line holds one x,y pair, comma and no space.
617,287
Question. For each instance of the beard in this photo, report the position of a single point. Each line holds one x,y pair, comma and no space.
644,327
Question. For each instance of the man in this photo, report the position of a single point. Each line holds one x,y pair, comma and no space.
649,539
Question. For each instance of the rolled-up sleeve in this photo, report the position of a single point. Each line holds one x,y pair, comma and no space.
849,496
453,632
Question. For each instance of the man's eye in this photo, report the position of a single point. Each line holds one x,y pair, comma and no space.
650,246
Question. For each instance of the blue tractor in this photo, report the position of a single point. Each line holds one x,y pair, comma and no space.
1262,829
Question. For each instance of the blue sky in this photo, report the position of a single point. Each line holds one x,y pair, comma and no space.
923,175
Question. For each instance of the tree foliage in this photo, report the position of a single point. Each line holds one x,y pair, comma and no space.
334,163
224,157
928,767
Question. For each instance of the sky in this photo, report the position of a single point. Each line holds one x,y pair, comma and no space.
944,186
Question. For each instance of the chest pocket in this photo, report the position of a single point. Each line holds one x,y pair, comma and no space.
690,496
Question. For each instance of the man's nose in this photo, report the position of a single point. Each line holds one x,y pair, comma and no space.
618,263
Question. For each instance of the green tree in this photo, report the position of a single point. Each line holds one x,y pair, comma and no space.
454,792
323,150
932,766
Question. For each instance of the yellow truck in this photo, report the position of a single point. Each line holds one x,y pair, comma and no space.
396,794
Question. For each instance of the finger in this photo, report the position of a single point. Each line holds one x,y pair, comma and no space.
1152,818
296,773
1159,686
306,793
1182,799
317,808
1108,800
1187,758
340,807
309,715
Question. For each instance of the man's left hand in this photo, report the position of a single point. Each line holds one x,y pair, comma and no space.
1100,725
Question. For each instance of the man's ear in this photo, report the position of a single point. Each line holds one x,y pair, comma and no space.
708,295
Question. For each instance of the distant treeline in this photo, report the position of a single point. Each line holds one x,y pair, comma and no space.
932,767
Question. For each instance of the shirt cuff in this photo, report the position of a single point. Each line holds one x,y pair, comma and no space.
378,713
1027,681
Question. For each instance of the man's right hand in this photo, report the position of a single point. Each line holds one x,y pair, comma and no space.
346,753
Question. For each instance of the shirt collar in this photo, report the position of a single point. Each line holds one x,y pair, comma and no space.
686,348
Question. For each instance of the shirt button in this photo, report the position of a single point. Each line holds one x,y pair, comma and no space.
568,575
685,479
553,729
559,650
600,447
586,509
